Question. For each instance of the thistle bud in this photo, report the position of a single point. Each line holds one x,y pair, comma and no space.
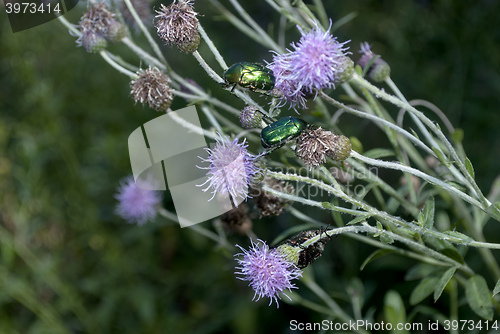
152,86
340,149
379,69
346,70
177,25
250,117
313,146
116,31
302,249
93,42
267,203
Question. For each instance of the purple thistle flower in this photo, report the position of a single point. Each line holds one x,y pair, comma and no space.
267,270
318,61
135,204
231,169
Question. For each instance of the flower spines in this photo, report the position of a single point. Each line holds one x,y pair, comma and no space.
177,24
135,204
231,169
318,61
267,270
152,86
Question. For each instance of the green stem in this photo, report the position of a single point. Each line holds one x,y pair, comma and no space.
145,31
369,211
212,47
376,119
401,104
262,36
416,172
339,312
150,60
115,65
384,186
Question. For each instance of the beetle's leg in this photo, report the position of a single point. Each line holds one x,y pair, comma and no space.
273,149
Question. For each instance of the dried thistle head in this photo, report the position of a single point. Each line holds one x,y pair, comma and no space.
267,203
314,145
97,18
152,86
237,220
177,25
142,8
98,25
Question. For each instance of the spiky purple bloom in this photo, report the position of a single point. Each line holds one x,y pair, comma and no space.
267,270
135,204
317,62
231,169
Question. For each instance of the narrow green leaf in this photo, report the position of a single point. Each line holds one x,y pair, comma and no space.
328,205
443,281
369,64
375,255
469,167
414,133
419,271
497,288
444,247
426,216
479,297
386,239
459,235
441,157
358,219
423,289
457,185
378,153
394,308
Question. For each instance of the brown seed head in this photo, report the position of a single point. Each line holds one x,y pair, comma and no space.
314,145
268,204
152,87
177,25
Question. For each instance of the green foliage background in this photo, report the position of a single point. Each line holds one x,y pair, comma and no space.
68,264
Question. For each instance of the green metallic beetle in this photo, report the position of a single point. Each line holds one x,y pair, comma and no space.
254,76
277,134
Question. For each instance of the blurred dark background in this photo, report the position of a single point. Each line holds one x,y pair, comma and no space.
65,117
